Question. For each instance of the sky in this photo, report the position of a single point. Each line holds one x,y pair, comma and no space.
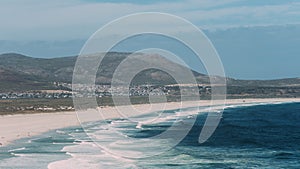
256,39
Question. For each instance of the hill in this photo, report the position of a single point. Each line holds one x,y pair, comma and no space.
19,72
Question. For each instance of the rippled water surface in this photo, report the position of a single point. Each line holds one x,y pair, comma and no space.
256,136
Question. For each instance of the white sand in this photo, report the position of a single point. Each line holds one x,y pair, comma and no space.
13,127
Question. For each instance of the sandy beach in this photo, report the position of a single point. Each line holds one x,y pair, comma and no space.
13,127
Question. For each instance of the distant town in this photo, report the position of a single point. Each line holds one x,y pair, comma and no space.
99,91
60,97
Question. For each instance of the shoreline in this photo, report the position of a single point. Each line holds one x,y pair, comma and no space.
14,127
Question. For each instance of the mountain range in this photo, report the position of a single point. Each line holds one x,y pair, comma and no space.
20,73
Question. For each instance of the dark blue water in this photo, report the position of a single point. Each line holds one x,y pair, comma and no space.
275,127
261,136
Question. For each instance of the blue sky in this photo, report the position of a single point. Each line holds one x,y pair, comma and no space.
256,39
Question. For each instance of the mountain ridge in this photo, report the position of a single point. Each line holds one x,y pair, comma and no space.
21,72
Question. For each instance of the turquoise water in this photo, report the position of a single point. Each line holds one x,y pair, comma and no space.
254,136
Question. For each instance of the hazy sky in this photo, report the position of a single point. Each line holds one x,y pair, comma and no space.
256,39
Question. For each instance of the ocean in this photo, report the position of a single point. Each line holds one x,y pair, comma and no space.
248,136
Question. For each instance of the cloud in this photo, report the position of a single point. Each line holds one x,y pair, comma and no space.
75,19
